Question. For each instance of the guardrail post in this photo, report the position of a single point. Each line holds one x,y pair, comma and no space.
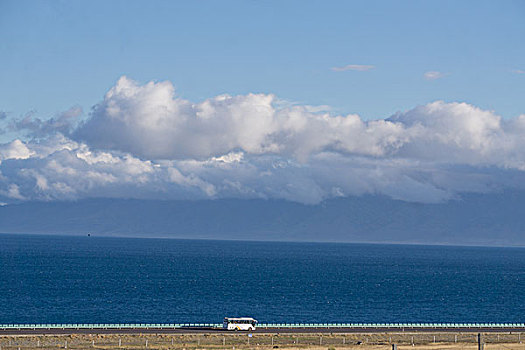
455,338
146,343
321,340
480,342
119,342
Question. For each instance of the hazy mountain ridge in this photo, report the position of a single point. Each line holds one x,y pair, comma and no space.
494,219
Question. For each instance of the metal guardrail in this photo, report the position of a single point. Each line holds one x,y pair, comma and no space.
261,325
394,325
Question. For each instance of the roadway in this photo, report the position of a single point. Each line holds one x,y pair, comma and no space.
202,330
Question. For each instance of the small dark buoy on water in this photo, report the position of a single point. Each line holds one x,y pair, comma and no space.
89,234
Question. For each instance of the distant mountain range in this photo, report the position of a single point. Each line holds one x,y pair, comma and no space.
489,219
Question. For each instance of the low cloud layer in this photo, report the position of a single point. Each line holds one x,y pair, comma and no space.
142,141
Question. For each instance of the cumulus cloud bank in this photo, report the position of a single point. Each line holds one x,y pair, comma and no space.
142,141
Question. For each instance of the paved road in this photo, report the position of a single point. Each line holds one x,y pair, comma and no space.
258,331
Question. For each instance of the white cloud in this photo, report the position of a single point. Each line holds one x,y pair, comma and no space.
518,71
149,121
434,75
142,141
356,67
14,150
12,192
62,123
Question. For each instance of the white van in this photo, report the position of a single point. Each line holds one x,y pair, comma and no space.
239,323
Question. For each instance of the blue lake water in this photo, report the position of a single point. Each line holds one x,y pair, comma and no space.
53,279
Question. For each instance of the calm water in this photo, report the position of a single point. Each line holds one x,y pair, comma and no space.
93,280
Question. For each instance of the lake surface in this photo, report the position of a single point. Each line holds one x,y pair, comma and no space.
54,279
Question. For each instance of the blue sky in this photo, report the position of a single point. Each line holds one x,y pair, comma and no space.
59,54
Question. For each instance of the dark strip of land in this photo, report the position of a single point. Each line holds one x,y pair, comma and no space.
190,330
